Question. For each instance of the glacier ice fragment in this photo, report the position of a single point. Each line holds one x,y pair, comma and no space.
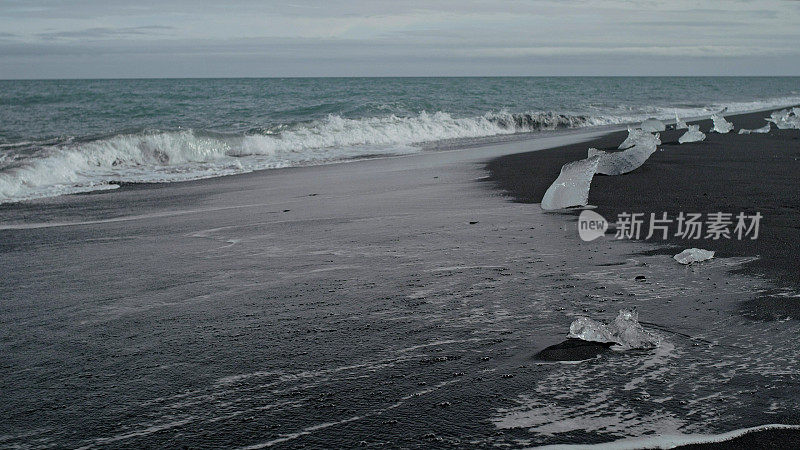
691,255
626,331
693,135
617,163
764,129
571,188
636,135
587,329
653,126
630,333
720,124
679,123
785,119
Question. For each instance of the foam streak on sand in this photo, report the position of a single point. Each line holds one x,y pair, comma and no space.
672,441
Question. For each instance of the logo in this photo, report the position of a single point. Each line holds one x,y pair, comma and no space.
591,225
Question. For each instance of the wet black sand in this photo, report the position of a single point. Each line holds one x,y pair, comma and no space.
729,173
401,308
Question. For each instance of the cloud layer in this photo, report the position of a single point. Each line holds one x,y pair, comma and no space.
113,38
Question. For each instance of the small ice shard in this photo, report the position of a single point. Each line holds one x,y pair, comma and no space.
692,255
653,125
571,188
618,163
626,331
693,135
679,123
590,330
764,129
720,124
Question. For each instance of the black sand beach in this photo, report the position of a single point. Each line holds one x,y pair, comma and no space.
403,307
727,172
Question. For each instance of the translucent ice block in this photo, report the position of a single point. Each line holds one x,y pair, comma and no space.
692,255
653,126
617,163
720,124
679,123
693,135
571,188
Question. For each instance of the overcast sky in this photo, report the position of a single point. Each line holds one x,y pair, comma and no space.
234,38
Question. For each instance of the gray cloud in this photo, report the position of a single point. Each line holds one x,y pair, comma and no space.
104,32
370,37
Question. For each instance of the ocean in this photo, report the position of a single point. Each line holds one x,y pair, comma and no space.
68,136
387,302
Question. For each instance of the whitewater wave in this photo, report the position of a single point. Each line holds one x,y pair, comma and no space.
34,169
187,154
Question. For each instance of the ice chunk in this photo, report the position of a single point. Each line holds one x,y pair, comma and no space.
764,129
691,255
720,124
571,188
693,135
779,115
617,163
587,329
679,123
785,119
634,135
626,331
630,333
653,126
786,123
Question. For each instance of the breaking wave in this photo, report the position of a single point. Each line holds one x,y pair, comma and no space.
45,168
51,170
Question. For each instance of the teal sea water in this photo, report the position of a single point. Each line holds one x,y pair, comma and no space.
66,136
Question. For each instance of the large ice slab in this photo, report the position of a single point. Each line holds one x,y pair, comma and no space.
618,163
720,124
626,331
571,188
679,123
764,129
693,135
692,255
653,126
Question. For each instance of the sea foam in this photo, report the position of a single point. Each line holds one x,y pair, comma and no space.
186,155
